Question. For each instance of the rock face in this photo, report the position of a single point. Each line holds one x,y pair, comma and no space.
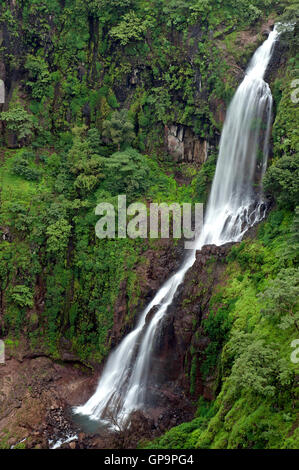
278,59
157,266
184,145
36,395
182,327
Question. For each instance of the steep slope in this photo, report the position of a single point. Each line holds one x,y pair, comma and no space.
67,298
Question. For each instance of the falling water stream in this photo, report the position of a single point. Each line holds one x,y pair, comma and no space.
232,208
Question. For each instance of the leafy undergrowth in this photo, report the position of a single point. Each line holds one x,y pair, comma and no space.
257,406
92,86
58,280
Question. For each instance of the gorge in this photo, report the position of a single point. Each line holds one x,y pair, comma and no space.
139,343
232,208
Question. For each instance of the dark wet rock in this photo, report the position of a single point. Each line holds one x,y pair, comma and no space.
151,314
181,327
159,264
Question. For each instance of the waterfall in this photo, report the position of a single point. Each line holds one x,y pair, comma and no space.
232,208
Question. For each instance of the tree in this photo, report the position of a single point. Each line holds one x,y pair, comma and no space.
18,120
127,173
161,100
80,148
19,216
280,299
84,162
131,28
93,139
22,168
89,173
39,77
119,130
58,236
255,370
200,9
281,181
98,8
21,296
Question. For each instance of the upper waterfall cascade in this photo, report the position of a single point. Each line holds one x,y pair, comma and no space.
232,208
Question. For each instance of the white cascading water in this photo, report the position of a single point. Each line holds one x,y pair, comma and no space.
232,208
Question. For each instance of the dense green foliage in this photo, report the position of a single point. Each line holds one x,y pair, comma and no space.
252,330
91,86
256,407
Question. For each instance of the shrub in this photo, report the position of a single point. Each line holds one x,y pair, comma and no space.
39,77
280,299
21,296
18,120
255,370
119,129
127,173
281,181
21,168
131,28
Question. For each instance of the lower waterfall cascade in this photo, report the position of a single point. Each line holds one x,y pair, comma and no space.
232,208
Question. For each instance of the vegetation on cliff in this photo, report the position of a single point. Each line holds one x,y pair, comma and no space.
91,87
